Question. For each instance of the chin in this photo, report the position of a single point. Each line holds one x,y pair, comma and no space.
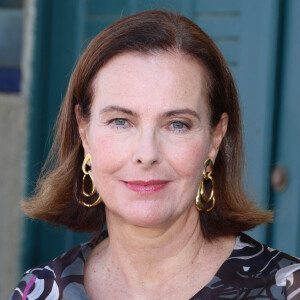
147,220
147,217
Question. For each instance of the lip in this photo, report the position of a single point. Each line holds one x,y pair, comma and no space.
146,187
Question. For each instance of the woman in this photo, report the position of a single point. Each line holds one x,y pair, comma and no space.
149,142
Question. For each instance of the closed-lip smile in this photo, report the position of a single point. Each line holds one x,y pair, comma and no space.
146,187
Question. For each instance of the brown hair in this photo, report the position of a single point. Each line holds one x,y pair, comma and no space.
59,189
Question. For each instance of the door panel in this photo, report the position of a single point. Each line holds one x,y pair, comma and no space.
256,77
57,43
286,229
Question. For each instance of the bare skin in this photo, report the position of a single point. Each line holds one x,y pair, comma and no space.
171,264
150,123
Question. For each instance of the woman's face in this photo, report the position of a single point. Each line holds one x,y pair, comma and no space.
149,136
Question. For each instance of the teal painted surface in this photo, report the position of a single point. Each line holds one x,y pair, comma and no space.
247,33
256,84
57,45
107,8
286,229
222,6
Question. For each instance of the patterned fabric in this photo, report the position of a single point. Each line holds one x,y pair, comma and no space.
252,271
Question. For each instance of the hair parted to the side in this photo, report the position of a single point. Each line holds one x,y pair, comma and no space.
149,32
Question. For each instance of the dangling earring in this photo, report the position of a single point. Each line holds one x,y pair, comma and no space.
93,191
202,195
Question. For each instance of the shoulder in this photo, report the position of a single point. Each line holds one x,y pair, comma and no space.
262,265
254,271
262,257
56,279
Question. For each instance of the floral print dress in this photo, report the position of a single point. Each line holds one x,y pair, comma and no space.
252,271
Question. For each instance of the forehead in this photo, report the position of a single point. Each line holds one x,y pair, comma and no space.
155,77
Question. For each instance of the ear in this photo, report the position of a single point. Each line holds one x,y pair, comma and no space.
217,136
83,129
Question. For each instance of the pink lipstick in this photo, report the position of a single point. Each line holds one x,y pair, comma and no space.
146,187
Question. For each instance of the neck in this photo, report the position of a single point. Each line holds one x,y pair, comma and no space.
148,256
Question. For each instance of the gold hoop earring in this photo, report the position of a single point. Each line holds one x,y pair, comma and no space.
201,194
89,174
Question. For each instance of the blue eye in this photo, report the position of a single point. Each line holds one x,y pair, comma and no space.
119,123
179,126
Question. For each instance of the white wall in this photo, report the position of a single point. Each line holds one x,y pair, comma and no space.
12,138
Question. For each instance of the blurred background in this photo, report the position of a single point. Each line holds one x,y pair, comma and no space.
41,40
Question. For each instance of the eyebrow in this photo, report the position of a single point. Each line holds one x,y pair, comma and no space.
113,108
181,112
171,113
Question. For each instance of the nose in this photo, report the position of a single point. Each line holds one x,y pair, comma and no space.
147,149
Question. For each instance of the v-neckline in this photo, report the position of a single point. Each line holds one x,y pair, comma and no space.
201,291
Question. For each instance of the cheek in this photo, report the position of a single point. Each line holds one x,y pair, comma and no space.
187,163
108,154
188,159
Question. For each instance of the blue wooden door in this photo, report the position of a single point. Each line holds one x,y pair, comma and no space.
247,32
286,199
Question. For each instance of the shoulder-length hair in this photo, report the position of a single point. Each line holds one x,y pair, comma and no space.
58,191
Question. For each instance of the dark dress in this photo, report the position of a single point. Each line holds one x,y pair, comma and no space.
252,271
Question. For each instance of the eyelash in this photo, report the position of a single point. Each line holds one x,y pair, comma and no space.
185,127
